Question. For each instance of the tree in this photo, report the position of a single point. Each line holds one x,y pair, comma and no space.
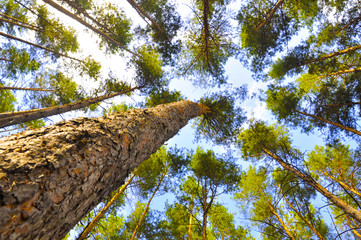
210,177
209,43
275,144
82,163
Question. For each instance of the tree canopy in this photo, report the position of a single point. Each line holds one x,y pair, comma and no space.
275,156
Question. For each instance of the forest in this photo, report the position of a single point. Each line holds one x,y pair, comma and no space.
192,119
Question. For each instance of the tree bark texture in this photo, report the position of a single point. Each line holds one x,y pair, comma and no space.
51,177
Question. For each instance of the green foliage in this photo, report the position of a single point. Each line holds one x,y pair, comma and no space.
66,90
162,97
91,68
113,85
262,44
149,72
221,123
38,123
336,162
150,171
216,171
118,108
283,101
85,4
11,8
116,24
178,221
208,48
7,100
19,62
53,34
168,19
259,136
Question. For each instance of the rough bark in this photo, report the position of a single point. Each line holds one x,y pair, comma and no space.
100,214
51,177
8,119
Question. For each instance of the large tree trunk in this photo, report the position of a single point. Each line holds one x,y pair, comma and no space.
51,177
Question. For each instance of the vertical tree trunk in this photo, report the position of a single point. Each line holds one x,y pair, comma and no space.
147,206
51,177
190,220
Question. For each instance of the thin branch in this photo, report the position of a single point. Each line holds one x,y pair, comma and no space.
141,11
84,23
96,219
25,89
8,119
38,46
19,24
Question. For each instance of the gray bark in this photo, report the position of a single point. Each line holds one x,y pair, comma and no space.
51,177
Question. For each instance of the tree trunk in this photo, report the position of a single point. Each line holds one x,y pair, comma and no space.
87,25
334,54
19,24
51,177
190,220
310,225
25,89
141,11
355,214
330,122
147,207
278,217
270,15
100,215
8,119
206,12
